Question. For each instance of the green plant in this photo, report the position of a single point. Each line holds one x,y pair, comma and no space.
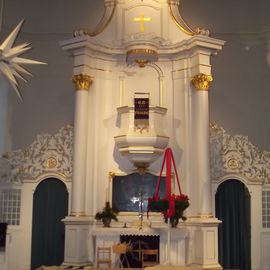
107,212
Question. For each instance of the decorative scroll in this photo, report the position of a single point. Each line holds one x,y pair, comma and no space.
47,154
236,155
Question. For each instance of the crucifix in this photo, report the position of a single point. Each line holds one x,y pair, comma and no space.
142,20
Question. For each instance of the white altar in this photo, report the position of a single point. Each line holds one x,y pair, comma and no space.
172,244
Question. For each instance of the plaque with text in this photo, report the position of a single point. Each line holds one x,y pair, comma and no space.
141,108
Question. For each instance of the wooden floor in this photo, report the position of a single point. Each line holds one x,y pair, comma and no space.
158,267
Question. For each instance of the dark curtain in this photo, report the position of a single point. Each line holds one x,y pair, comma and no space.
233,209
50,206
3,232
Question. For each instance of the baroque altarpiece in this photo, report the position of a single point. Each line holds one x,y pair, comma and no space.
141,49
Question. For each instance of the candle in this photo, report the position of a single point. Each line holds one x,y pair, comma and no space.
107,195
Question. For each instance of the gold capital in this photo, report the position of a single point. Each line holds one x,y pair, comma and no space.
82,82
142,20
202,81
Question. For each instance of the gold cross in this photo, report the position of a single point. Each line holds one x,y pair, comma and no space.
142,20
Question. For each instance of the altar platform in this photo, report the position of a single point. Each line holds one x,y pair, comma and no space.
172,243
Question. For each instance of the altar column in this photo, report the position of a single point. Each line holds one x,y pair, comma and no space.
201,83
82,84
205,233
77,223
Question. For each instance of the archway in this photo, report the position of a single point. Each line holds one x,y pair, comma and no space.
233,209
50,206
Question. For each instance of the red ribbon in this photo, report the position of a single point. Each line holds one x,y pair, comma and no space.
169,159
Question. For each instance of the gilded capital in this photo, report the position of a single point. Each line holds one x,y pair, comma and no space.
82,82
202,81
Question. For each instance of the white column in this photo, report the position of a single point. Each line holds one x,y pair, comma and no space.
82,84
77,224
202,83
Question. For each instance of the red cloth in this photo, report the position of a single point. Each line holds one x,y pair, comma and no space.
169,159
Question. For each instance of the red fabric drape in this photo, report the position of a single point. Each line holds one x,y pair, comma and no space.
169,159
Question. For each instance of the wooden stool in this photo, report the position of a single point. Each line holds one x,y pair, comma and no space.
149,257
104,256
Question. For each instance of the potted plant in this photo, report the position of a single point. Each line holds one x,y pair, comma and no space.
107,214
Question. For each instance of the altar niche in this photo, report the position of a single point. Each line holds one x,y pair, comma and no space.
130,190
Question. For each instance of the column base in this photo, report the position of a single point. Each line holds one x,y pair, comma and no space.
76,241
203,242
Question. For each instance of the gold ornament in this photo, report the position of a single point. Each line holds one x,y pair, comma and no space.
202,81
51,162
82,81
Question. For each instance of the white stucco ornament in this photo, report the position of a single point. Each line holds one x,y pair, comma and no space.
10,62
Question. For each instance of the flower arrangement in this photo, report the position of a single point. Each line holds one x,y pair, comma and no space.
107,214
172,208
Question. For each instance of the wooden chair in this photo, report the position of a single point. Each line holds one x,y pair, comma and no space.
149,257
121,250
104,256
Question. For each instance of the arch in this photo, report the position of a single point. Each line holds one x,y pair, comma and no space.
230,177
232,202
50,206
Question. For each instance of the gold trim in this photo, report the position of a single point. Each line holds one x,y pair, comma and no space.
142,51
111,176
141,62
202,81
82,82
205,215
98,31
186,29
78,214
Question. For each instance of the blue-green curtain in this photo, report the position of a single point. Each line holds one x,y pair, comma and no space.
50,206
233,209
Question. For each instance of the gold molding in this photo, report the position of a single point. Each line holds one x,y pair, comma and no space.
205,215
141,62
82,82
142,51
202,81
105,20
182,26
78,214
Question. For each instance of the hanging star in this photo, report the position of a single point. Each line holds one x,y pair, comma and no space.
10,62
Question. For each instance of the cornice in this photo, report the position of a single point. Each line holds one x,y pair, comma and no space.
93,47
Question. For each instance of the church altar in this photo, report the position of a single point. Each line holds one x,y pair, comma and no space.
172,243
142,78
